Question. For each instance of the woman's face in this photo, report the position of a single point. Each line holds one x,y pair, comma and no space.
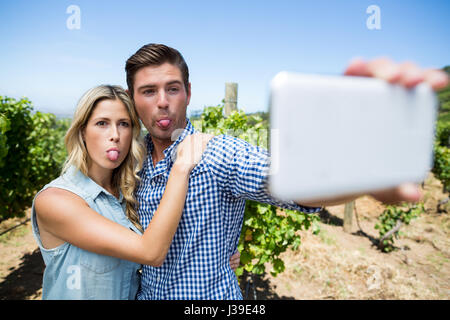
108,134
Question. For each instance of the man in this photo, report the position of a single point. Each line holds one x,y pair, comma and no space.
232,170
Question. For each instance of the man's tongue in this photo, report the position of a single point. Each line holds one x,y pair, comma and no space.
113,155
164,123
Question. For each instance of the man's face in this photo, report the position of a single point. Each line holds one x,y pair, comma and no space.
161,100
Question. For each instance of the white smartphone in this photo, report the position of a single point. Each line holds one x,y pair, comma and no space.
338,135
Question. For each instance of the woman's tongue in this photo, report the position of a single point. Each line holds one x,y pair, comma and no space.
113,155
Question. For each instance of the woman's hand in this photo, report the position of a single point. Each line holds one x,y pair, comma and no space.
190,150
235,260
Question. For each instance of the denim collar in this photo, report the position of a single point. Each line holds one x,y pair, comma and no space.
89,186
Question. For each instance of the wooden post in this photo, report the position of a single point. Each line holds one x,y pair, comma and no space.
348,215
231,89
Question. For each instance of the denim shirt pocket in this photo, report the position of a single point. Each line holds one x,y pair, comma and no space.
98,263
102,277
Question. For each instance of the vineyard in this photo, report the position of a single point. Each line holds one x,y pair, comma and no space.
393,252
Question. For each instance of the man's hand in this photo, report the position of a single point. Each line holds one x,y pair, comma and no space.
408,75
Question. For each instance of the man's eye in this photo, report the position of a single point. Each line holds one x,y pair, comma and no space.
148,92
173,90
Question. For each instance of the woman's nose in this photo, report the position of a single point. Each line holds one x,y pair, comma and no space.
114,134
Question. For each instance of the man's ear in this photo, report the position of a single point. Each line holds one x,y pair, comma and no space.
188,94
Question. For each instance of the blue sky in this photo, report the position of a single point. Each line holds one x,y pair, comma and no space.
246,42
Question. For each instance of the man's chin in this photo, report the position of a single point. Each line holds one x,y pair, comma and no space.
170,134
163,135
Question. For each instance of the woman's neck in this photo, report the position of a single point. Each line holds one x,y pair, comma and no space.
103,177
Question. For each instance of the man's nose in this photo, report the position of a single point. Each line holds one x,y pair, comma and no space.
162,99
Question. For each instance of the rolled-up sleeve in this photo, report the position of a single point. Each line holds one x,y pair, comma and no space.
243,169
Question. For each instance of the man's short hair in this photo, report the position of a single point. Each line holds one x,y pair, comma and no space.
155,55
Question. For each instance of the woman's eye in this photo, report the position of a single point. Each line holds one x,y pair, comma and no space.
125,124
101,123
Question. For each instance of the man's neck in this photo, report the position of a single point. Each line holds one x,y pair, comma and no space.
158,149
160,145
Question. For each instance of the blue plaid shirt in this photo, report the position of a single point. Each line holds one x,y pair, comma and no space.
197,265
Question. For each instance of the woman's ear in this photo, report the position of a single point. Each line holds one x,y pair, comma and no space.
82,134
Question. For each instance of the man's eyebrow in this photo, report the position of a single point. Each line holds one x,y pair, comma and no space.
150,85
147,86
174,82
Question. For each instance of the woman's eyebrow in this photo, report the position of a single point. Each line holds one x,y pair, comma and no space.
100,118
106,118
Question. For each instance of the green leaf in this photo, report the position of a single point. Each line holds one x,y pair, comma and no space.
246,257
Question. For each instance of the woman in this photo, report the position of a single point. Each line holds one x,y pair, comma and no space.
85,221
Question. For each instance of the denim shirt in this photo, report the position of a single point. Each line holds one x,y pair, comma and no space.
74,273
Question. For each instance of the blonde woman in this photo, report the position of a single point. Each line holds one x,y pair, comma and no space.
85,221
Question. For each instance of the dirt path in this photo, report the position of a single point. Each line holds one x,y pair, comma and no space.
331,265
21,264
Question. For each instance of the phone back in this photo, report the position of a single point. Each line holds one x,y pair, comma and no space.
337,135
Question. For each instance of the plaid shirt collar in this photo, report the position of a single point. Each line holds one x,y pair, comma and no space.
170,152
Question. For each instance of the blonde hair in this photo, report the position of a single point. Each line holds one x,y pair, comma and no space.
125,177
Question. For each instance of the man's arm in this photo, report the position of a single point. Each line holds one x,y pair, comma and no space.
242,171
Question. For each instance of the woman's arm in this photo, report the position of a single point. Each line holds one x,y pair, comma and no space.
69,218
